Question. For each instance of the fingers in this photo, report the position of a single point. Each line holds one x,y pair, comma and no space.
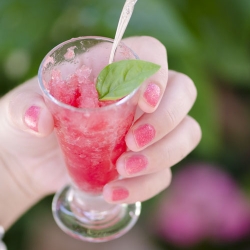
26,110
147,172
137,189
163,154
150,49
178,99
157,141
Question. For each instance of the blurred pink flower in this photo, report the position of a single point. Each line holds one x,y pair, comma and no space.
203,202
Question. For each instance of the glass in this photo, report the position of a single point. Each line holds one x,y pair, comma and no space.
91,139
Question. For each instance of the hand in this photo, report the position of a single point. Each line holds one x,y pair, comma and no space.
28,146
164,133
31,164
162,136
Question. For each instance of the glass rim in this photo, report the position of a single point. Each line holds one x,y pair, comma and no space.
72,108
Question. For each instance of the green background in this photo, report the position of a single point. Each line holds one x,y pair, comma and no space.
208,40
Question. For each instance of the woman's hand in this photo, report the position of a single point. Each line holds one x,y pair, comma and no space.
28,146
162,135
31,164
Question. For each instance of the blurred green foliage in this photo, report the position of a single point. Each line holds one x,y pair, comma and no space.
208,40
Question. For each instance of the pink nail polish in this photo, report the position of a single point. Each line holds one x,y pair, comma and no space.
152,94
136,164
144,134
31,117
119,193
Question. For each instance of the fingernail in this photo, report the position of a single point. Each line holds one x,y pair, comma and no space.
119,193
152,94
31,117
135,164
144,134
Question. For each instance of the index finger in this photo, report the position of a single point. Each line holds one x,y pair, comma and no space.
150,49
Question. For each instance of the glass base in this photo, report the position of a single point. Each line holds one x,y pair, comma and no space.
95,220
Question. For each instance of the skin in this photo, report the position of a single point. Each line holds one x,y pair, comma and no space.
31,163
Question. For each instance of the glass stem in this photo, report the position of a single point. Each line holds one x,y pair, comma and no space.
91,208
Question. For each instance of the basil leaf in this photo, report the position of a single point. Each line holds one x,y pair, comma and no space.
119,79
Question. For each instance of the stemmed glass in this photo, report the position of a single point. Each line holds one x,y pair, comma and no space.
91,139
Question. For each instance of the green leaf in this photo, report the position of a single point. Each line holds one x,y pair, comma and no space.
118,79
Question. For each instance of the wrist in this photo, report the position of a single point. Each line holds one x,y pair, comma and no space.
14,199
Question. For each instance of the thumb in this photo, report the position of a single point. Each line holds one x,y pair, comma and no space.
27,111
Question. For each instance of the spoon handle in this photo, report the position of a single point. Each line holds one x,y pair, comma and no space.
122,25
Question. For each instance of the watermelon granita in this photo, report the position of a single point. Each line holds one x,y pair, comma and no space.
91,133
